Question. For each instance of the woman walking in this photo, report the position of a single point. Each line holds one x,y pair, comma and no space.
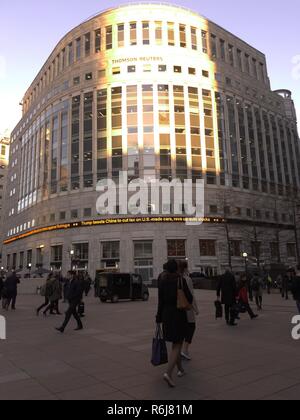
54,297
243,297
46,292
257,287
174,320
191,314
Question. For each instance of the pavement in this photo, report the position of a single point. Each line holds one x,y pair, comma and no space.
110,358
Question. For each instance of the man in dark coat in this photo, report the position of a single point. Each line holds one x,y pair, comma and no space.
226,290
74,297
11,290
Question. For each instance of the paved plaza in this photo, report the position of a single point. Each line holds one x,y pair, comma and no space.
110,359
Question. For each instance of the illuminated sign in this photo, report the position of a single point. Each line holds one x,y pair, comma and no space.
137,59
113,221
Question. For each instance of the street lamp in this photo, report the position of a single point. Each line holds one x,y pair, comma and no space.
72,253
29,268
245,256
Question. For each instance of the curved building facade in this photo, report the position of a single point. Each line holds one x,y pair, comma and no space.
157,91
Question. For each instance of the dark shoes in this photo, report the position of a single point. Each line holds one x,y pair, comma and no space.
79,328
61,330
254,317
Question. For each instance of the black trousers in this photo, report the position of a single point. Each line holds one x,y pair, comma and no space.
72,311
229,316
43,305
52,307
259,301
249,310
11,300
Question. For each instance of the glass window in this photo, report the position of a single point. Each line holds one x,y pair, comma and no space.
222,49
111,250
76,81
74,214
133,33
204,42
192,71
194,38
291,250
89,76
97,41
131,69
213,46
182,34
116,70
78,48
70,54
207,248
121,35
87,44
87,212
176,248
231,54
162,68
146,33
158,33
171,34
235,247
205,73
177,69
109,37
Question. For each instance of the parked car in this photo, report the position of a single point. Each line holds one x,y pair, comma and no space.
120,286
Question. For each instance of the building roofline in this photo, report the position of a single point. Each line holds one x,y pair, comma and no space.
125,5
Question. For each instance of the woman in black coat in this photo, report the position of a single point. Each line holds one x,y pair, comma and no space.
175,323
227,290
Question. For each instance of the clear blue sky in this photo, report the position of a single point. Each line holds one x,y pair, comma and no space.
30,29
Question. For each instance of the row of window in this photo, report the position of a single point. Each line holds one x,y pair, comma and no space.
143,253
166,33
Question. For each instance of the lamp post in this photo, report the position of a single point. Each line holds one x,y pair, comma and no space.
245,256
72,252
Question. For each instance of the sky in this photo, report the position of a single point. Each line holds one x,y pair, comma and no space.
30,29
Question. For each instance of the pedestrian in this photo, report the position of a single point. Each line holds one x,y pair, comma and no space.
74,298
55,297
287,281
11,290
296,288
269,282
243,297
257,287
46,291
279,282
226,292
87,284
191,314
174,320
66,287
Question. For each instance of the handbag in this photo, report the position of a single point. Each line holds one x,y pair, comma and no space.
182,303
159,349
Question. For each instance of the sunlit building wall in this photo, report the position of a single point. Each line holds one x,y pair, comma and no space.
158,91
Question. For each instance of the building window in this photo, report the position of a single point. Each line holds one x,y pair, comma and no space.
204,42
97,41
192,71
291,250
177,69
89,76
56,257
62,215
158,33
133,33
162,68
235,247
213,46
81,256
21,262
121,35
146,33
275,251
131,69
110,254
231,54
74,214
182,33
205,73
87,44
143,259
87,212
109,37
39,257
76,81
78,48
194,39
171,34
52,217
116,70
176,249
207,248
213,209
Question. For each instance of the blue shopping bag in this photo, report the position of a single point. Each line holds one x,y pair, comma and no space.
159,349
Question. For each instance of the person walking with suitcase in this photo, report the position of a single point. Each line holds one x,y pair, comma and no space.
75,297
